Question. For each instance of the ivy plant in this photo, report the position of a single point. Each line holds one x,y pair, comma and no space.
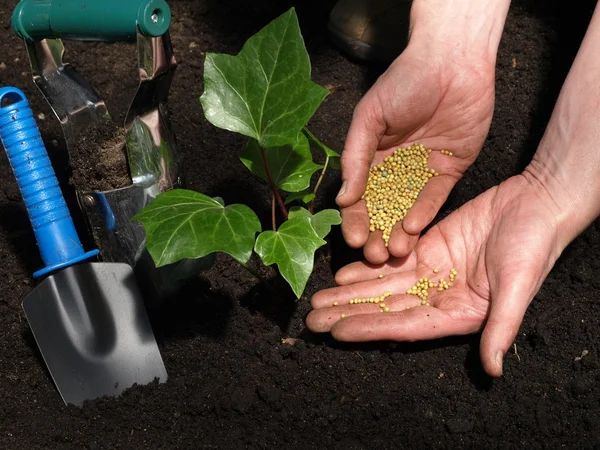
265,93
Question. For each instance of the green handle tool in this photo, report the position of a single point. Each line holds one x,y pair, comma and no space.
90,20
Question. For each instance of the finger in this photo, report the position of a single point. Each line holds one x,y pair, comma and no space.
509,302
401,243
363,270
375,250
361,144
413,324
355,224
396,284
322,320
429,202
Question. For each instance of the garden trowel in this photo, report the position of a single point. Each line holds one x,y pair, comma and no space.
88,318
154,163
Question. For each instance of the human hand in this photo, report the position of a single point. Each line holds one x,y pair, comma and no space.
437,93
502,244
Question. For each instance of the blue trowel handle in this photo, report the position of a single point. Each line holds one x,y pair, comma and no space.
49,215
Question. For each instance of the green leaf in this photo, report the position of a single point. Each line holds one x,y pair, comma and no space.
292,247
306,196
321,221
334,157
291,166
265,92
183,224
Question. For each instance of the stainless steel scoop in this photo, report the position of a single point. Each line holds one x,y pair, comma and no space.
154,162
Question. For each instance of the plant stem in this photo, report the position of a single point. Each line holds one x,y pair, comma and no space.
273,185
253,272
311,207
256,275
273,218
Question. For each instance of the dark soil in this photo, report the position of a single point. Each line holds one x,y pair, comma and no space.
98,159
233,383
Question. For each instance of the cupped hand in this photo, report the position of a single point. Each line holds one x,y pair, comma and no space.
502,244
440,101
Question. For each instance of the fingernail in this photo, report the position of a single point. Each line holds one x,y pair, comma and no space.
499,358
342,190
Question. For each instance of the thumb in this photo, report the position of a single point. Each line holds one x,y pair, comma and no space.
366,130
510,298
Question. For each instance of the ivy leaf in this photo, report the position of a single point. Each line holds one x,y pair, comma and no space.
306,196
291,166
334,157
321,221
265,92
292,247
182,224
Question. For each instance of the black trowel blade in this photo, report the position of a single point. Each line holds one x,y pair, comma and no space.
92,329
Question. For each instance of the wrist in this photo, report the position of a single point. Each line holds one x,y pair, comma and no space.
556,200
566,183
459,29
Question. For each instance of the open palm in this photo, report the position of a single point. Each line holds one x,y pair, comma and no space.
502,244
443,104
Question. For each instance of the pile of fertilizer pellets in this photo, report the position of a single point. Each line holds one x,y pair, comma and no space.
379,300
393,187
420,289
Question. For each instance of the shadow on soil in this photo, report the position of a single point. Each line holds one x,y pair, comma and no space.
278,307
195,310
200,308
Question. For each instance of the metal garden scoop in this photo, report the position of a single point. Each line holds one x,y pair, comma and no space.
153,160
88,318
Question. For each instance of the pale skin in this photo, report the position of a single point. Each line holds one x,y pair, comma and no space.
440,93
503,243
